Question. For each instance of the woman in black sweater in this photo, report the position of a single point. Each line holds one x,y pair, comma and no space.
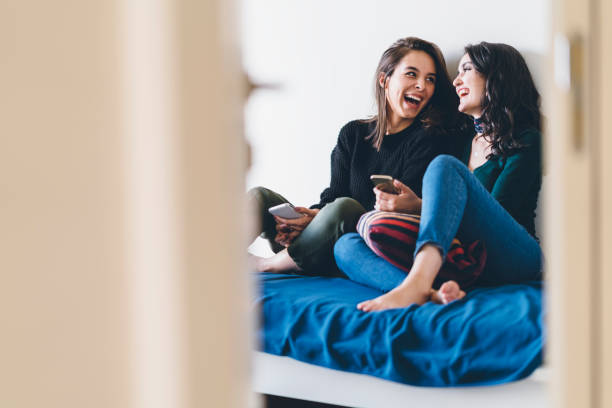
417,106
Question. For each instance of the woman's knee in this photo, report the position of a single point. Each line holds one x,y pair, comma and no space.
344,249
257,196
444,163
265,198
345,208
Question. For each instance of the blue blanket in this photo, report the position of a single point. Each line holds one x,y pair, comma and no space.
492,336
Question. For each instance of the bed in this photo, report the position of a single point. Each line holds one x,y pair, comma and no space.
315,345
286,377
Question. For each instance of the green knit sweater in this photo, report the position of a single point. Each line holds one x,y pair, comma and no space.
514,180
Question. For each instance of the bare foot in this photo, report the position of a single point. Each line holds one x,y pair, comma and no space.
448,292
416,288
254,262
402,296
278,263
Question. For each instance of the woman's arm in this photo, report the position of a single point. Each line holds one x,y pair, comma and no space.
340,167
417,157
289,230
520,175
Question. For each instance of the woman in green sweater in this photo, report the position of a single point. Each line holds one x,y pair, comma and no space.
490,196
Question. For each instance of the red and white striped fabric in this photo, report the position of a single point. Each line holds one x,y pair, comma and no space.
392,236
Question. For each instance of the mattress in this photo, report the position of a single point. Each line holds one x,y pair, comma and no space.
492,336
287,377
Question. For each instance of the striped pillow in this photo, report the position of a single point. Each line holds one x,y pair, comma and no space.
392,236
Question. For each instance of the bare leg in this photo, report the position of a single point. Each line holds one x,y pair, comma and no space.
278,263
416,288
448,292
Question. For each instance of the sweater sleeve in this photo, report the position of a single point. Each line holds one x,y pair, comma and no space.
521,172
340,168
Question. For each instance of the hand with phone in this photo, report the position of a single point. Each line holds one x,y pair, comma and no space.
397,198
383,183
290,222
285,210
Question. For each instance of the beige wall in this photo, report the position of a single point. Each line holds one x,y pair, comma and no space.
121,182
578,235
569,227
63,293
604,86
213,157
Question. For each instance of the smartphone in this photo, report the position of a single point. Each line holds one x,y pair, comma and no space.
384,183
285,210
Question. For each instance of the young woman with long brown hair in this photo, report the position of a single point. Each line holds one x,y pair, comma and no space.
416,107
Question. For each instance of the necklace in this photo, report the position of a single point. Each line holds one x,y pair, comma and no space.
479,146
478,126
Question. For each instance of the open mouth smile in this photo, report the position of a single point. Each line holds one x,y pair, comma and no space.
463,92
413,99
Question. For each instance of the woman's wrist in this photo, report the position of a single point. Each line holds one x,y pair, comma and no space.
414,207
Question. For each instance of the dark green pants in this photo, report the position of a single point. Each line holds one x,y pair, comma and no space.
313,249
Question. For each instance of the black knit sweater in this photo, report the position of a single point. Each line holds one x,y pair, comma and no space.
403,156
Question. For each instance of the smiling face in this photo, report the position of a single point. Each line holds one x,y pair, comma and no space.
470,86
409,88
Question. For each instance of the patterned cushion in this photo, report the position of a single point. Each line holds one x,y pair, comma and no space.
392,236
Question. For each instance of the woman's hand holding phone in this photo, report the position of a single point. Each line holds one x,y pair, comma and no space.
287,230
384,183
405,201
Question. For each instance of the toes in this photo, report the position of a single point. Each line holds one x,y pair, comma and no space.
449,287
450,297
369,305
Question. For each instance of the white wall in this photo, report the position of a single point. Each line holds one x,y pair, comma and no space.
324,54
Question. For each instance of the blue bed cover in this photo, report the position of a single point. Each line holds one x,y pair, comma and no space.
492,336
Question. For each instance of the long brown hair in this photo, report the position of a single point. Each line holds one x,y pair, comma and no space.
442,107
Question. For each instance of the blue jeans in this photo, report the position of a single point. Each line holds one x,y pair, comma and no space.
455,204
361,265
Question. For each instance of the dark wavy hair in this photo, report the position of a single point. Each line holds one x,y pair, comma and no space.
511,101
441,111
